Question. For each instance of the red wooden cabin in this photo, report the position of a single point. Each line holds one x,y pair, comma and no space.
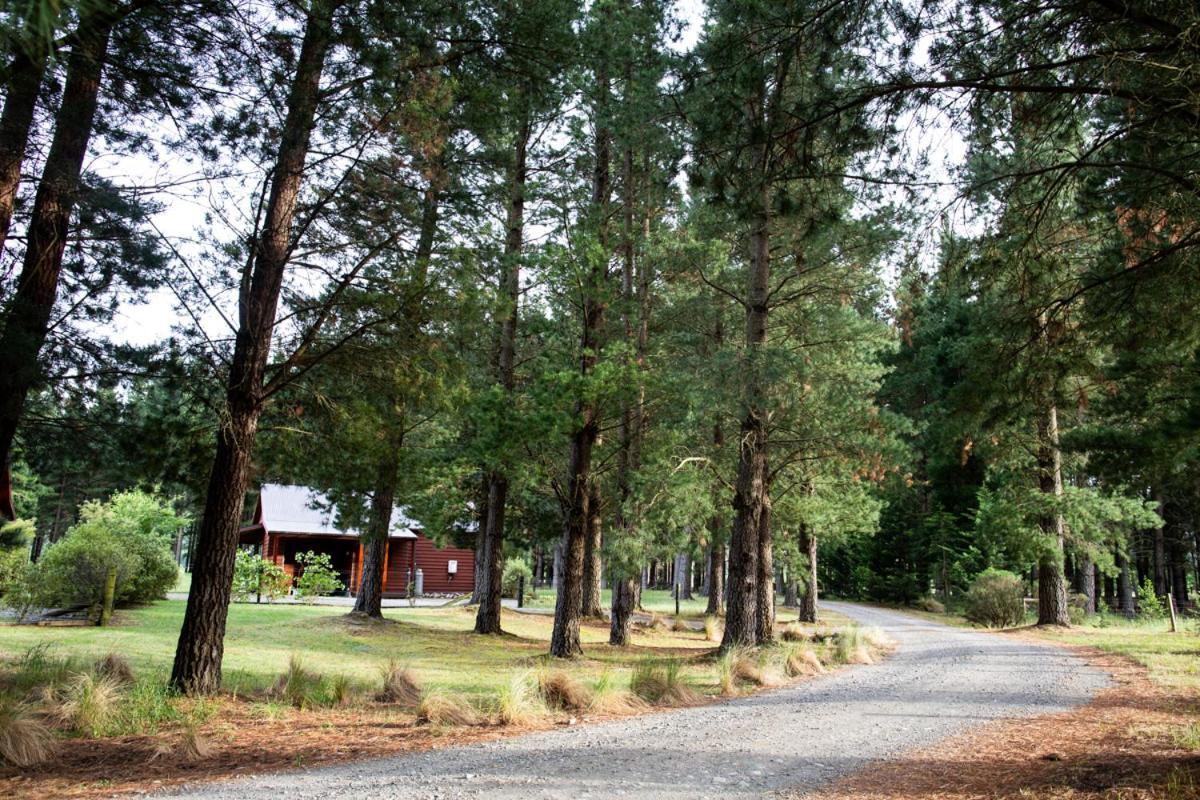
295,519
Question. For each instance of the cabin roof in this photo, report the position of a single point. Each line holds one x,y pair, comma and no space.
299,509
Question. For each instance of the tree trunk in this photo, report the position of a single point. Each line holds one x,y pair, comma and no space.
591,606
369,600
491,572
32,303
716,581
16,123
624,600
1125,587
1161,586
808,601
750,492
683,575
564,641
485,483
197,667
1085,580
1052,587
766,578
791,592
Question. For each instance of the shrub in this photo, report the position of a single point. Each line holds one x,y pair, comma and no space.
131,533
1149,603
1077,612
14,552
930,604
252,574
443,708
996,599
25,739
400,686
514,570
561,691
317,578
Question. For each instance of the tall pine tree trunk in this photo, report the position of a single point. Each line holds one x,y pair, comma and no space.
808,600
16,123
591,606
766,578
369,600
564,640
750,491
1086,581
197,667
29,309
1052,585
716,581
1124,586
491,571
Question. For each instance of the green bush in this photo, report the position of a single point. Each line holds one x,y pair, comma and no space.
131,533
996,599
253,575
15,538
514,570
1149,603
930,604
317,578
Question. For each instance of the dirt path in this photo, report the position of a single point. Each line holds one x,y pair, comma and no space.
941,681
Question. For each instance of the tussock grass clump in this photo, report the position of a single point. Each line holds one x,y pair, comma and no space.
800,660
610,698
298,687
86,704
680,625
661,683
116,667
341,690
850,647
25,738
930,604
519,704
561,691
400,686
875,638
795,633
736,666
442,708
38,670
713,629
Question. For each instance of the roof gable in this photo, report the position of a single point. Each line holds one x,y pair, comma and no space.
299,509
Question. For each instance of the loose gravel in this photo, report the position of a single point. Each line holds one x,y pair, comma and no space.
939,682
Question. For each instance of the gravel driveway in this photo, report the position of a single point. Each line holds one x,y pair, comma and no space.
940,681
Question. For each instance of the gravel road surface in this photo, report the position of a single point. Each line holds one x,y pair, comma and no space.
940,681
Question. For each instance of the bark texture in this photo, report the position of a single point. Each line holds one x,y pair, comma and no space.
16,122
592,607
197,667
1125,587
766,579
808,600
369,600
32,303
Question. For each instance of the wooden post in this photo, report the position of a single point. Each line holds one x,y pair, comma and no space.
1171,606
520,591
110,592
677,599
387,551
258,598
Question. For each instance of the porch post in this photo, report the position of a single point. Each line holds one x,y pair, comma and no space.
387,551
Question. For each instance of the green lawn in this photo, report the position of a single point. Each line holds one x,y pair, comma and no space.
435,642
658,601
1171,659
184,584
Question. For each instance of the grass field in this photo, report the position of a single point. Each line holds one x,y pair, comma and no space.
435,642
659,601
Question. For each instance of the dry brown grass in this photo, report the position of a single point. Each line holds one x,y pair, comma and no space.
800,660
25,738
443,708
519,704
116,667
86,704
713,629
795,633
400,686
562,692
661,683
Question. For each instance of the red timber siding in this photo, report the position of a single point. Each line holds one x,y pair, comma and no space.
433,562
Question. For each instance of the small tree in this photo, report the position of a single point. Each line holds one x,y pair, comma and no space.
254,576
1149,604
317,578
514,570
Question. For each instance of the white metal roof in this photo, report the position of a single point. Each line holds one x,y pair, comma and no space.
299,509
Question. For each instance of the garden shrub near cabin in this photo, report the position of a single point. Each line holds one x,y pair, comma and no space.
131,533
996,599
253,576
317,578
14,552
514,570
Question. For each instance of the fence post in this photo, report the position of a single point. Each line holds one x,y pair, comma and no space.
520,591
1171,606
677,599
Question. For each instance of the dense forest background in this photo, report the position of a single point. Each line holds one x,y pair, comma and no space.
603,280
